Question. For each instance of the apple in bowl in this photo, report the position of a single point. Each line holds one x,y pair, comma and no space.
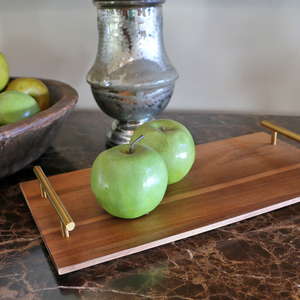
16,106
4,72
32,87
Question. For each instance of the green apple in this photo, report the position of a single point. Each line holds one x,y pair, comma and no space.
173,142
4,72
15,106
129,183
32,87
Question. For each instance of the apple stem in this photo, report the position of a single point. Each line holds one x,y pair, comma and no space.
131,146
162,128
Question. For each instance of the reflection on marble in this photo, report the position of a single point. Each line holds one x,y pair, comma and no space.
255,259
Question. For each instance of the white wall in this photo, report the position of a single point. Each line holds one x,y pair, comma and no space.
232,55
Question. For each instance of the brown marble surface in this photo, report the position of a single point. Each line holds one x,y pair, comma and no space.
255,259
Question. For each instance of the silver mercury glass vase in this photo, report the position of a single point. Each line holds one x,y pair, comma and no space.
132,79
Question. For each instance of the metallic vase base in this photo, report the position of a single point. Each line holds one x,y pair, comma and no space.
120,133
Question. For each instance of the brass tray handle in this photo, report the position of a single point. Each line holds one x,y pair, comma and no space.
47,190
277,129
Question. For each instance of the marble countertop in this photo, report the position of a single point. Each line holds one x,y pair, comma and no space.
258,258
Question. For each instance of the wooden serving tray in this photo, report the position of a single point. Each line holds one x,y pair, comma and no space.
231,180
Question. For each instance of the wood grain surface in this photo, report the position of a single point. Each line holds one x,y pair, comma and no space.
231,180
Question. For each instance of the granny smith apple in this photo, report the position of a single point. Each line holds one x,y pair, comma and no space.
15,106
129,183
173,142
32,87
4,72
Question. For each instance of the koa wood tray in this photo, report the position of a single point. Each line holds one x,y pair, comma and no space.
231,180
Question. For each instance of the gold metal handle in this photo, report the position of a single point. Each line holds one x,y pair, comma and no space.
47,190
277,129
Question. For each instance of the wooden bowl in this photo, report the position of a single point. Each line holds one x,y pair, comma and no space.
24,141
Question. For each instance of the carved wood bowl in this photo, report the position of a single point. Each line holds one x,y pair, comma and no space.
24,141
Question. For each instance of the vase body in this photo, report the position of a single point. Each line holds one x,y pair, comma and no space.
132,79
